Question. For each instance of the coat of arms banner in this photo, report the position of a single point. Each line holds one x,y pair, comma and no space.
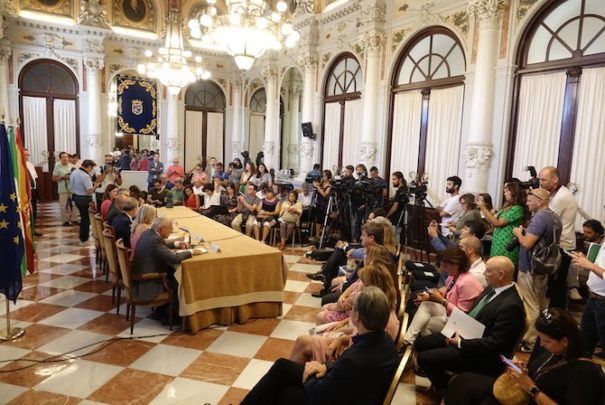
137,106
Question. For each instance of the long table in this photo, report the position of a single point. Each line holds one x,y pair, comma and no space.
244,280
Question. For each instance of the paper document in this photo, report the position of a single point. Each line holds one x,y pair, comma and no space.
467,327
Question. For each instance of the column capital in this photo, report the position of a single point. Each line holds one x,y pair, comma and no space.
236,150
373,43
94,63
375,13
306,149
173,145
269,73
5,54
269,150
488,11
307,61
93,13
477,156
236,84
367,152
95,141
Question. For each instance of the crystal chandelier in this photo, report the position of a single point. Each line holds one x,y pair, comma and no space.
249,28
172,66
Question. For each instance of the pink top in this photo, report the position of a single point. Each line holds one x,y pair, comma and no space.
174,172
198,175
143,164
105,208
464,292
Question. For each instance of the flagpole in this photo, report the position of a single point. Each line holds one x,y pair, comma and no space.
14,333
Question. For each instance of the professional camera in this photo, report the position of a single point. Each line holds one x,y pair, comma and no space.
313,177
513,244
339,185
533,182
418,190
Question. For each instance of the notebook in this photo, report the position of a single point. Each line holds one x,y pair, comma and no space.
593,251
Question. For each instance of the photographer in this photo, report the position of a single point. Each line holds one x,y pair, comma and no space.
358,207
381,189
108,174
61,174
532,287
400,198
320,209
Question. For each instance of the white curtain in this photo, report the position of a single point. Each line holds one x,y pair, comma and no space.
35,131
331,135
443,139
588,163
539,121
193,138
64,117
352,132
257,134
214,140
407,112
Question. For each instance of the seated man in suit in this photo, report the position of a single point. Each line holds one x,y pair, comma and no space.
121,222
500,309
361,375
153,255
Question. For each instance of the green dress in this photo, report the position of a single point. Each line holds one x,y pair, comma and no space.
504,234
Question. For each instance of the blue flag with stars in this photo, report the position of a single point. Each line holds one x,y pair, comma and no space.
11,239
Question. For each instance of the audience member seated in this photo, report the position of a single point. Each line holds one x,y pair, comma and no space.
211,197
116,208
500,310
322,345
192,200
440,242
248,205
434,306
504,221
266,215
247,176
559,375
471,246
469,213
199,176
229,199
177,193
123,221
593,232
142,222
289,217
157,195
111,191
136,192
360,375
153,255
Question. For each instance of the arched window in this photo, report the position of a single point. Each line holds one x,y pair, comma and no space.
427,92
256,125
559,103
48,104
342,112
204,122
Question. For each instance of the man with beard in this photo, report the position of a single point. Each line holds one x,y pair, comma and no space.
451,210
400,199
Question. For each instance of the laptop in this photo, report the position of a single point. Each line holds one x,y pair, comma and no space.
219,209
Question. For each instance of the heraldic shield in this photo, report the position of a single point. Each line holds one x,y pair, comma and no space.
137,106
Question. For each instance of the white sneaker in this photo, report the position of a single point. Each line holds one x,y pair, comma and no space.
574,295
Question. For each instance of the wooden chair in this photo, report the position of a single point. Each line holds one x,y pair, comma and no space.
99,226
397,376
115,277
95,234
129,280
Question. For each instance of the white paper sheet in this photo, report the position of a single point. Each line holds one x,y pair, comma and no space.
467,327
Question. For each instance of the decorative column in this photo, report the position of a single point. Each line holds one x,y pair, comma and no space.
172,130
307,146
94,65
478,151
294,129
373,43
271,118
236,126
5,53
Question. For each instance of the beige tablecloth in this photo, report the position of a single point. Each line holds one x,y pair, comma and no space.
244,280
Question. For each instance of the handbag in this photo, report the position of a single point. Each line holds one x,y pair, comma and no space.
508,392
546,259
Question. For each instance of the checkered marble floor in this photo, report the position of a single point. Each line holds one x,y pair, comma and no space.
66,305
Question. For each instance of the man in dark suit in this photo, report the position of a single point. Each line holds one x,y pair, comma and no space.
121,222
361,375
500,309
153,255
154,169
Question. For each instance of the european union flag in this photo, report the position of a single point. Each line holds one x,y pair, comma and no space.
11,237
137,106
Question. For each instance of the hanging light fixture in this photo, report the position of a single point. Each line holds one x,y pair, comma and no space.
172,66
249,28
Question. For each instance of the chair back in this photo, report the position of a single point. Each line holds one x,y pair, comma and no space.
98,221
112,259
107,227
123,259
397,376
93,224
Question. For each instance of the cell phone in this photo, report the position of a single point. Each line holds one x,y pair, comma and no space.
510,364
567,253
428,290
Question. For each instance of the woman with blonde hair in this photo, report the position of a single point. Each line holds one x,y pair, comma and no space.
142,222
324,345
389,235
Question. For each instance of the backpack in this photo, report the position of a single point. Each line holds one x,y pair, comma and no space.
546,259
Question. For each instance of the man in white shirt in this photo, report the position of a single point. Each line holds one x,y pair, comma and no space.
563,203
593,317
106,175
471,246
451,210
33,182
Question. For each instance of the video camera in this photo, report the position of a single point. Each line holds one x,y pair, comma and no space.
533,182
313,177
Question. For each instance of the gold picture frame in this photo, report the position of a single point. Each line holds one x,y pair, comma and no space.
62,8
137,14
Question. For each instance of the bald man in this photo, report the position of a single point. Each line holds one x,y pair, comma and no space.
500,309
471,246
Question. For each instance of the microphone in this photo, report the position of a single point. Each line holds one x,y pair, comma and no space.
186,230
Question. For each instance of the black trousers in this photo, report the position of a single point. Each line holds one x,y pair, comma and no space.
557,284
470,389
281,385
330,268
82,204
435,358
34,201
